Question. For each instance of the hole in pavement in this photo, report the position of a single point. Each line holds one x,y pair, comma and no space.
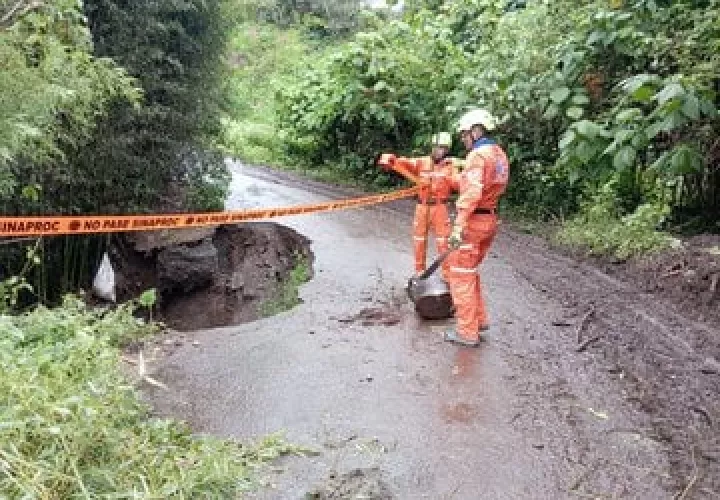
215,276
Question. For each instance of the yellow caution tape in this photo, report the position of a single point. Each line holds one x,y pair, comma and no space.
53,225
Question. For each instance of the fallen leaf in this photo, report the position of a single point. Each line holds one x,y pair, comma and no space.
598,414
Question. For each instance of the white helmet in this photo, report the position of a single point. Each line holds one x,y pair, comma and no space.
476,117
442,139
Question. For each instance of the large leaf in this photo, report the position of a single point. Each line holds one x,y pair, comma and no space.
559,95
580,99
627,115
624,135
551,112
671,91
574,112
691,107
643,94
641,87
596,36
567,139
624,158
686,159
589,129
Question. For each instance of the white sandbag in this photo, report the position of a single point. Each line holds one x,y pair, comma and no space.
104,283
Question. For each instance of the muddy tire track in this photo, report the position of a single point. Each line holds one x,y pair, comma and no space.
660,358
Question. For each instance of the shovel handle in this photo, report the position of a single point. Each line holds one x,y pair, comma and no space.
433,267
439,260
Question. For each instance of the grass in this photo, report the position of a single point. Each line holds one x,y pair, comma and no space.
73,426
612,238
262,58
289,293
600,232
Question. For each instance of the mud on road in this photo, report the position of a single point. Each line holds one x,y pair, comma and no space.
648,343
587,388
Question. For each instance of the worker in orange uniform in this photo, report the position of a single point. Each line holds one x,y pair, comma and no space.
436,173
480,185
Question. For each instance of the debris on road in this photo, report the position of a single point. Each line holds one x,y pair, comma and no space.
356,484
373,316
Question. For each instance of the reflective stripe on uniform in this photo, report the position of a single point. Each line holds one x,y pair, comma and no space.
463,270
418,238
433,174
465,247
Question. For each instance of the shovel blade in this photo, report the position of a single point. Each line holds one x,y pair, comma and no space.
431,297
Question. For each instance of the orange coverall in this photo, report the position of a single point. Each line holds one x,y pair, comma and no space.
480,186
431,212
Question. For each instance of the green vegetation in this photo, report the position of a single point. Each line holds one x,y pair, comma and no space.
271,49
107,107
604,231
263,59
608,108
72,425
288,295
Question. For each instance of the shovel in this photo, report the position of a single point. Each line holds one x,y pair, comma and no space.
430,293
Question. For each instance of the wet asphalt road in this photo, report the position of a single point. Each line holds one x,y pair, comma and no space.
437,421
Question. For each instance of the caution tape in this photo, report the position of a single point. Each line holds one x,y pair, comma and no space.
53,226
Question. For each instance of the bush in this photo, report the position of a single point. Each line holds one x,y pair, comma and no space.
602,230
586,92
264,58
72,425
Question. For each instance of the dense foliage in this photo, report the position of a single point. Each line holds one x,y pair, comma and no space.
176,50
606,107
52,89
73,426
321,19
107,107
264,58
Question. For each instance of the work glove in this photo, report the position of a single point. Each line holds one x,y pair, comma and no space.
387,160
456,237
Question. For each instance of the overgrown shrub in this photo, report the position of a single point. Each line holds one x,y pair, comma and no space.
107,107
587,91
72,425
603,229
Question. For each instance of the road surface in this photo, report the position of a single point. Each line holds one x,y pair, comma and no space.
538,412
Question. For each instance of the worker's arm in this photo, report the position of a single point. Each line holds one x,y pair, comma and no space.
411,165
471,189
407,167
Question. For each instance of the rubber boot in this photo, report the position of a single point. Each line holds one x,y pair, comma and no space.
452,336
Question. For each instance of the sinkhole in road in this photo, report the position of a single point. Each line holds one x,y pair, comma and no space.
216,276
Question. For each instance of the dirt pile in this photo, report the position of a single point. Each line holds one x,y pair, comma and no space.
356,484
209,277
373,316
688,276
